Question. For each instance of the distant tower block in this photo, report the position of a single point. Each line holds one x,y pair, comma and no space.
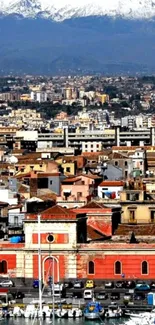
66,136
152,133
117,136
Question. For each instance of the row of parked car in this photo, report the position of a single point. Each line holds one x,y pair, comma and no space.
138,285
126,284
103,295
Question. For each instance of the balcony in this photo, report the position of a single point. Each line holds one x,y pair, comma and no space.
132,221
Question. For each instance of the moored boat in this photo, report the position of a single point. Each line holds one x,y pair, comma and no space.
74,313
114,311
61,313
93,310
30,311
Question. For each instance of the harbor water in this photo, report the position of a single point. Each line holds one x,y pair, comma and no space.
62,321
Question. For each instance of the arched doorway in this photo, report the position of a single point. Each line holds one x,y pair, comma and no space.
50,266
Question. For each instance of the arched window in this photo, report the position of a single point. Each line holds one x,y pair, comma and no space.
118,267
4,267
144,267
91,267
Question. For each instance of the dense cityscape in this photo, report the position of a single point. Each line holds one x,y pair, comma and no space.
78,152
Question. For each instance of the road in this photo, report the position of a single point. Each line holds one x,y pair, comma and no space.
31,293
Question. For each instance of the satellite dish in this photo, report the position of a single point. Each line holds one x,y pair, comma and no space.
13,160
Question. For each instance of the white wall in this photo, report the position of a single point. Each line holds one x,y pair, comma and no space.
104,189
7,196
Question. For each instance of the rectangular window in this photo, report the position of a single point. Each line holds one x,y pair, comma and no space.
126,173
116,163
68,169
132,214
132,196
126,163
15,220
51,182
152,212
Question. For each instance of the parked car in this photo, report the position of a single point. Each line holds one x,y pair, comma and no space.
139,296
109,284
68,285
7,283
77,294
115,296
90,284
78,284
142,286
88,294
119,284
36,283
152,285
129,284
18,295
102,295
127,297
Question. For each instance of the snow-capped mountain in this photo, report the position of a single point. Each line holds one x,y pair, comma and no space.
62,9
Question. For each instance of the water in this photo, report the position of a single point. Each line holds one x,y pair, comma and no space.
62,321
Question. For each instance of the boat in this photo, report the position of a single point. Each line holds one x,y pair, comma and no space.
114,311
61,313
30,311
47,313
74,313
17,312
147,320
93,310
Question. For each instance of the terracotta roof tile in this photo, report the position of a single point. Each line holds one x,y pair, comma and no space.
54,213
112,183
139,230
23,189
71,179
92,234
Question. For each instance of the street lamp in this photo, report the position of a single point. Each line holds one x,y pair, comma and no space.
50,239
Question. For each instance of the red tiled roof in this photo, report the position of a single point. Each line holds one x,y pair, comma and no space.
71,179
93,207
92,176
101,226
54,213
125,148
92,234
112,183
23,189
117,155
139,230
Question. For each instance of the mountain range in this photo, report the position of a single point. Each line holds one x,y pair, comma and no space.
64,9
62,37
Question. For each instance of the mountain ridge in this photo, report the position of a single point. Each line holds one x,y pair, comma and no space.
60,10
85,45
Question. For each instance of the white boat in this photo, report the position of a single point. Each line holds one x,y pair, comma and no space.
114,311
30,311
146,318
74,313
47,311
61,313
17,312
